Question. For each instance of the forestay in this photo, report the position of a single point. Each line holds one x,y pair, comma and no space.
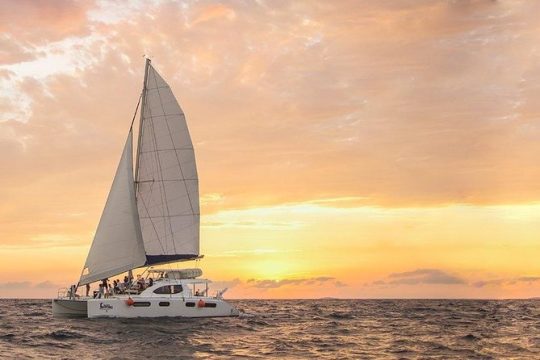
167,182
118,244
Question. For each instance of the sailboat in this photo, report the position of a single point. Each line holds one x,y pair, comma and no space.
151,217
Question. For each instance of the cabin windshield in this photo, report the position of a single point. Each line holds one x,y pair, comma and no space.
168,289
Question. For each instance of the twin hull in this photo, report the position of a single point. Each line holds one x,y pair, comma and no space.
69,308
146,307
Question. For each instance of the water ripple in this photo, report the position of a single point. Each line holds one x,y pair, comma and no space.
297,329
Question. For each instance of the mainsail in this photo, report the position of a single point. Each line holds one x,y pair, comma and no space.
166,176
154,219
118,244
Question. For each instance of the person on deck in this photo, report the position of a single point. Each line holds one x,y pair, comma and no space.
87,289
72,290
105,286
140,282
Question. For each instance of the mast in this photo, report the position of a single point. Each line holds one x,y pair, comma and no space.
146,67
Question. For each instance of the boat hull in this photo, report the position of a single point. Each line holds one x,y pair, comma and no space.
69,308
121,307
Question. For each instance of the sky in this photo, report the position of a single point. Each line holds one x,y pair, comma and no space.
351,149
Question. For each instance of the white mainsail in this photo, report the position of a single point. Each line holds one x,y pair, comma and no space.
166,176
118,244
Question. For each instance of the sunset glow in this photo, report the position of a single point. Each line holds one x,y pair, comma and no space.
352,149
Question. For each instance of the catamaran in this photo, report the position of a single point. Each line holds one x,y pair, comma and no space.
151,217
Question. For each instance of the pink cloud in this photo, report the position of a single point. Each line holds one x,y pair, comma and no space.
33,22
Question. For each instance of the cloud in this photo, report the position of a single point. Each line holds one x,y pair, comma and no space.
440,277
47,285
222,284
206,199
384,104
15,285
407,104
506,281
315,281
34,22
421,276
248,252
342,202
20,285
212,13
284,225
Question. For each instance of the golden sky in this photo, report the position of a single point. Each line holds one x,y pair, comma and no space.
345,148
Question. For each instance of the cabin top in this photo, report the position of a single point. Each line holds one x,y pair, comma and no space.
177,274
183,288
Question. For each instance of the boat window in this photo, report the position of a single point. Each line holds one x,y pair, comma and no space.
167,289
164,303
209,304
141,303
190,304
163,290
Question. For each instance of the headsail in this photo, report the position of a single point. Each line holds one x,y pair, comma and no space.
118,244
166,176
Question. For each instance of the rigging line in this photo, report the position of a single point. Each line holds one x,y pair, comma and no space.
185,148
176,155
146,170
147,181
142,131
146,167
162,194
141,127
166,115
172,141
160,179
160,188
151,222
156,217
136,109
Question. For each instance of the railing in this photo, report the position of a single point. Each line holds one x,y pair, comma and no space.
63,293
219,294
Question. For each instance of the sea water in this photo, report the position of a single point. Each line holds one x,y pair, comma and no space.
286,329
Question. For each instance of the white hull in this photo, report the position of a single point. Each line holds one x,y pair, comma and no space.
159,307
168,296
69,308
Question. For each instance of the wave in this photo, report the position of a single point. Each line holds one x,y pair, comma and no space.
286,329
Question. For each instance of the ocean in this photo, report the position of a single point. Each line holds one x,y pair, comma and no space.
285,329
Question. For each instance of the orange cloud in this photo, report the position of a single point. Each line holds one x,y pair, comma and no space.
34,22
213,12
